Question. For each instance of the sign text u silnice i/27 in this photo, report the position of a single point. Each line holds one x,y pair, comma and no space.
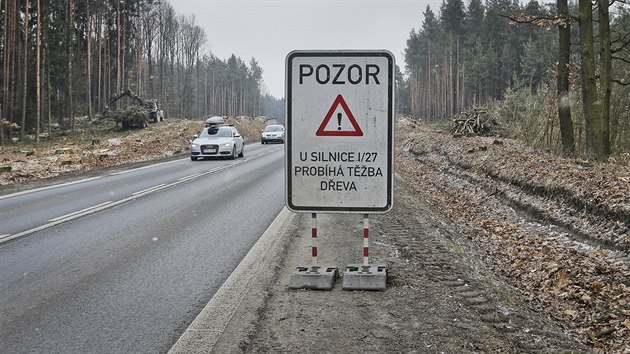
340,131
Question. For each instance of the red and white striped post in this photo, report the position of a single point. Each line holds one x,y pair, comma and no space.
366,234
314,239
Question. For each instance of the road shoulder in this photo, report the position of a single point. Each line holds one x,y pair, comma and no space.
231,313
440,296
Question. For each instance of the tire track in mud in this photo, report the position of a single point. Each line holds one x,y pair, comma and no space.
558,206
542,244
494,317
574,216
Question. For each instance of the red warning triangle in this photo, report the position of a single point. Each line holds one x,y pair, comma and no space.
339,101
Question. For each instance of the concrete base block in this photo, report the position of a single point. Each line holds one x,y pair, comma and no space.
362,277
314,278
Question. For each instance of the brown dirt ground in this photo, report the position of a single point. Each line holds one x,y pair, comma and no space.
555,229
440,296
492,247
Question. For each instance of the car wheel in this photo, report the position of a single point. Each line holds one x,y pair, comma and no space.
233,156
193,158
242,151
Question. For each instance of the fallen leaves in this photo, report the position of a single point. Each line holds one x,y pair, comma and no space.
541,221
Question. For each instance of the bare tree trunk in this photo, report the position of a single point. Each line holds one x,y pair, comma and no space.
118,45
70,41
214,91
564,104
242,98
25,68
198,107
4,74
139,66
99,45
46,73
458,92
7,64
38,88
107,80
149,33
449,96
429,100
89,60
603,128
49,93
123,72
590,96
14,62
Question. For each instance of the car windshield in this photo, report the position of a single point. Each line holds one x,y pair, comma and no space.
274,128
223,132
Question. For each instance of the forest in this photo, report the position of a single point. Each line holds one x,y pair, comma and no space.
556,74
64,59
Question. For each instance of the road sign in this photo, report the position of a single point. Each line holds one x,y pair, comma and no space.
340,131
356,129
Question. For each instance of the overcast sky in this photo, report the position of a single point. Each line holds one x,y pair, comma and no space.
269,29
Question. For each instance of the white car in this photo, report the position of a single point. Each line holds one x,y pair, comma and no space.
272,133
217,141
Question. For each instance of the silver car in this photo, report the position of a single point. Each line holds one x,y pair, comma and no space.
272,133
217,141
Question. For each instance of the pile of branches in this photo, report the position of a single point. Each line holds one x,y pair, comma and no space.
134,116
475,121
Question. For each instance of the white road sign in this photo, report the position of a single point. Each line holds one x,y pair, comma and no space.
340,131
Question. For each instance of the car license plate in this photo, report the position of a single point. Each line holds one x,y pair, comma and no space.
210,151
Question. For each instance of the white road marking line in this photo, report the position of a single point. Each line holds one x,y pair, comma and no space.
145,167
61,221
97,208
214,170
3,236
149,189
156,189
80,211
237,162
187,178
46,188
117,173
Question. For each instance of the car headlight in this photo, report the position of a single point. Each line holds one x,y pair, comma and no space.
226,145
193,145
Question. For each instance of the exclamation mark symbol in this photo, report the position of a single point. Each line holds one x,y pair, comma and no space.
339,121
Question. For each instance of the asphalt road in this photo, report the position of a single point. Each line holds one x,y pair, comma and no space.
124,262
